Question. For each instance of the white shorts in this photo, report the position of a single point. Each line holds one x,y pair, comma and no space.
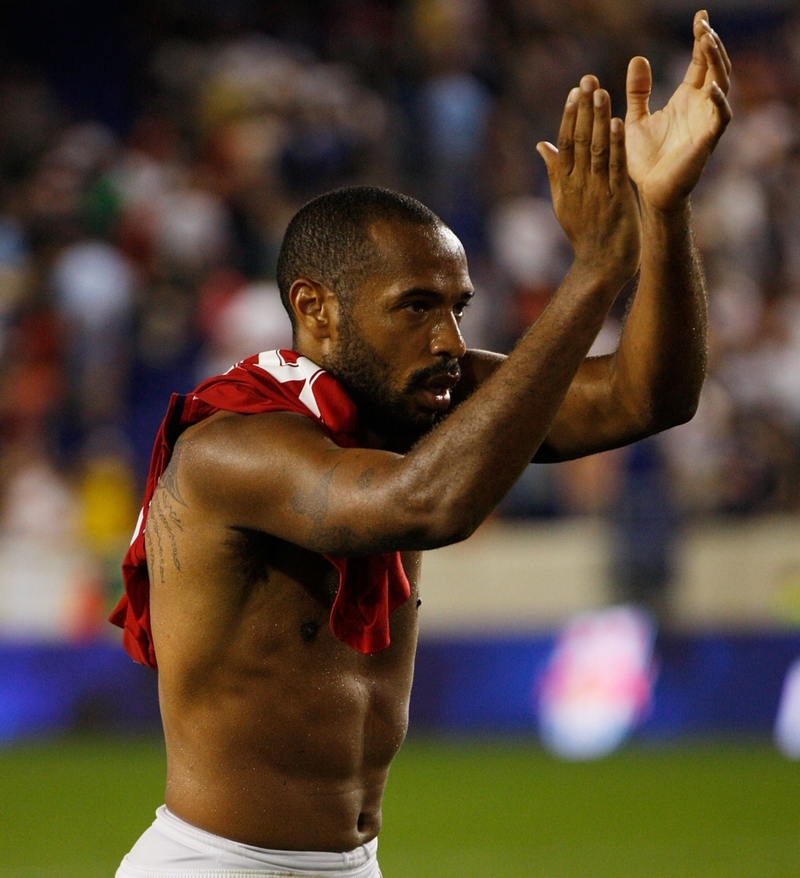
172,848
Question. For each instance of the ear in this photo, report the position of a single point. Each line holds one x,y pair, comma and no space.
315,307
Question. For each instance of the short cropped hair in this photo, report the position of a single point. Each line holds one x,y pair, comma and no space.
328,240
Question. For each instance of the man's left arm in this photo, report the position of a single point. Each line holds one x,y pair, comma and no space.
654,378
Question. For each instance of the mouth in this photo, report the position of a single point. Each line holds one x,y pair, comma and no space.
436,391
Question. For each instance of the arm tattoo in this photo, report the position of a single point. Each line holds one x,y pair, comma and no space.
314,506
365,479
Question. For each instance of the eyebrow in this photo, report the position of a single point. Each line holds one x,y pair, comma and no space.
427,293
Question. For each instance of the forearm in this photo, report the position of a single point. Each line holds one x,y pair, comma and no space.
365,500
662,357
281,474
460,471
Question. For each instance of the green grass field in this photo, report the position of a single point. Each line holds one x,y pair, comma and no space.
474,810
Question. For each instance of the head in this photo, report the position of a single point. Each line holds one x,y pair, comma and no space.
375,285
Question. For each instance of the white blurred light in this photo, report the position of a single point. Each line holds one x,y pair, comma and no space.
787,721
598,683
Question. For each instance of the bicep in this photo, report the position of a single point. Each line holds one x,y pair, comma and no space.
594,416
281,474
476,367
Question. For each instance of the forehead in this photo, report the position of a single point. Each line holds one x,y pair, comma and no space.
411,255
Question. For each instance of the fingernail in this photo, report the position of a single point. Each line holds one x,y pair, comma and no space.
598,98
572,97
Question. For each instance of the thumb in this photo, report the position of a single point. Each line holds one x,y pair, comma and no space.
638,86
550,155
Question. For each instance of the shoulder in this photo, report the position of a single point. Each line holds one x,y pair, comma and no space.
225,427
231,455
226,439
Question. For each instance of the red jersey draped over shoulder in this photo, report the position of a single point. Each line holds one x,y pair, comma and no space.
370,588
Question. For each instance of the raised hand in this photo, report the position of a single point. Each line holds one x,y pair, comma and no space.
668,149
592,193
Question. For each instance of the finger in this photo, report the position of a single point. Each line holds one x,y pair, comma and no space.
698,66
618,158
722,51
723,108
717,57
584,123
566,133
716,69
638,86
600,132
718,64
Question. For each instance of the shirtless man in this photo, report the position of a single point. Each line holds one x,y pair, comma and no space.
279,732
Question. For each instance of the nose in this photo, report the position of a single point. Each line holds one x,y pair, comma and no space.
447,339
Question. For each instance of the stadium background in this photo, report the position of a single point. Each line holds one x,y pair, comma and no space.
150,157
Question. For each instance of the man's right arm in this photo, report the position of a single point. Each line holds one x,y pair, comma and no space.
279,473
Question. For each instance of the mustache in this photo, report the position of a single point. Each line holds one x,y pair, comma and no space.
451,368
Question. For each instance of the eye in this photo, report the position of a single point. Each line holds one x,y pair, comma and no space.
460,308
417,307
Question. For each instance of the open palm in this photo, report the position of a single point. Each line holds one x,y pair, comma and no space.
668,149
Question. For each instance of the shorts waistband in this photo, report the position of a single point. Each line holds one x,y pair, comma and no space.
346,864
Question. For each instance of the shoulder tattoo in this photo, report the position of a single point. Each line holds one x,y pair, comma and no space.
169,479
163,525
164,519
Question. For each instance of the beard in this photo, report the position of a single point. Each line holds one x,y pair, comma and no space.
383,407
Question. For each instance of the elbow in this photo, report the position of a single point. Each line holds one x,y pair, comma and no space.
680,410
685,414
449,533
683,406
681,395
437,521
457,529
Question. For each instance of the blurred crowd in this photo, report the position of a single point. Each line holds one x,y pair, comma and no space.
137,259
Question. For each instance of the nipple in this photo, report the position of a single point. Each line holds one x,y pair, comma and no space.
309,630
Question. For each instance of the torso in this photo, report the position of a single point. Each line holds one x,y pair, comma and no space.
277,734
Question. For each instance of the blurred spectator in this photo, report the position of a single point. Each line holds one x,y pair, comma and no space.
136,260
